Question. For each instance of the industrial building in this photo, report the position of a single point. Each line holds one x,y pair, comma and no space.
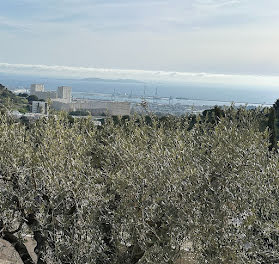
62,100
45,95
95,107
36,88
40,107
63,93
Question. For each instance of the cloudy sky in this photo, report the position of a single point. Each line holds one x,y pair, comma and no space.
212,36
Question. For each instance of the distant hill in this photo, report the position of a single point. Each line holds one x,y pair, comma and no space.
112,80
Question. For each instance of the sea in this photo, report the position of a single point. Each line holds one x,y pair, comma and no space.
154,91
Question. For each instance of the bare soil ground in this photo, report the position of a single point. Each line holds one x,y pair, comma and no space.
187,259
9,256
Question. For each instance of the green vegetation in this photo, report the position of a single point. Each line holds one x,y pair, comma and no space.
135,190
21,102
138,188
8,100
79,113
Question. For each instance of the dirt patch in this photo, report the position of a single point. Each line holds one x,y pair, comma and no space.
187,258
9,256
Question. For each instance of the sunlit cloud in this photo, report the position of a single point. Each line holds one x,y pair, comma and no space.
229,36
141,75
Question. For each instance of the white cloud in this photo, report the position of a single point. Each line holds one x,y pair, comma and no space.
142,75
194,35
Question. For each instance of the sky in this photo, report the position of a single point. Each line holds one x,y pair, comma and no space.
233,37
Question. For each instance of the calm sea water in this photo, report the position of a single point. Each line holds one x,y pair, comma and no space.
196,93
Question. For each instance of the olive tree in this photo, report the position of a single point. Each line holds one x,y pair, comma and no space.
135,192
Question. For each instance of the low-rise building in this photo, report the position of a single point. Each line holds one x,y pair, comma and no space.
36,88
96,107
62,100
46,95
65,93
40,107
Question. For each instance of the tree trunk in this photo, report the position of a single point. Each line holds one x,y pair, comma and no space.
18,246
38,236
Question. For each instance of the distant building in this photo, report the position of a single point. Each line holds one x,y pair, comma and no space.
27,116
36,88
40,107
46,95
62,100
96,107
16,114
65,93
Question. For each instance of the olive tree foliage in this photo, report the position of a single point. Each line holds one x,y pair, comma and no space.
137,192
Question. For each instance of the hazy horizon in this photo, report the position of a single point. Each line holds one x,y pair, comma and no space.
201,86
196,36
256,81
223,46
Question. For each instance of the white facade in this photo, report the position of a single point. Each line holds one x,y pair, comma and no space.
46,95
36,88
94,106
40,107
65,92
62,100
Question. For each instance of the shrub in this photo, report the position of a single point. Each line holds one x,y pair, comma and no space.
135,192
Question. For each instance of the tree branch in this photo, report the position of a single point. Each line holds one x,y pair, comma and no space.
18,246
16,230
34,225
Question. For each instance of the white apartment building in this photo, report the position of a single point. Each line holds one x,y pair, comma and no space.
40,107
96,107
37,88
65,93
